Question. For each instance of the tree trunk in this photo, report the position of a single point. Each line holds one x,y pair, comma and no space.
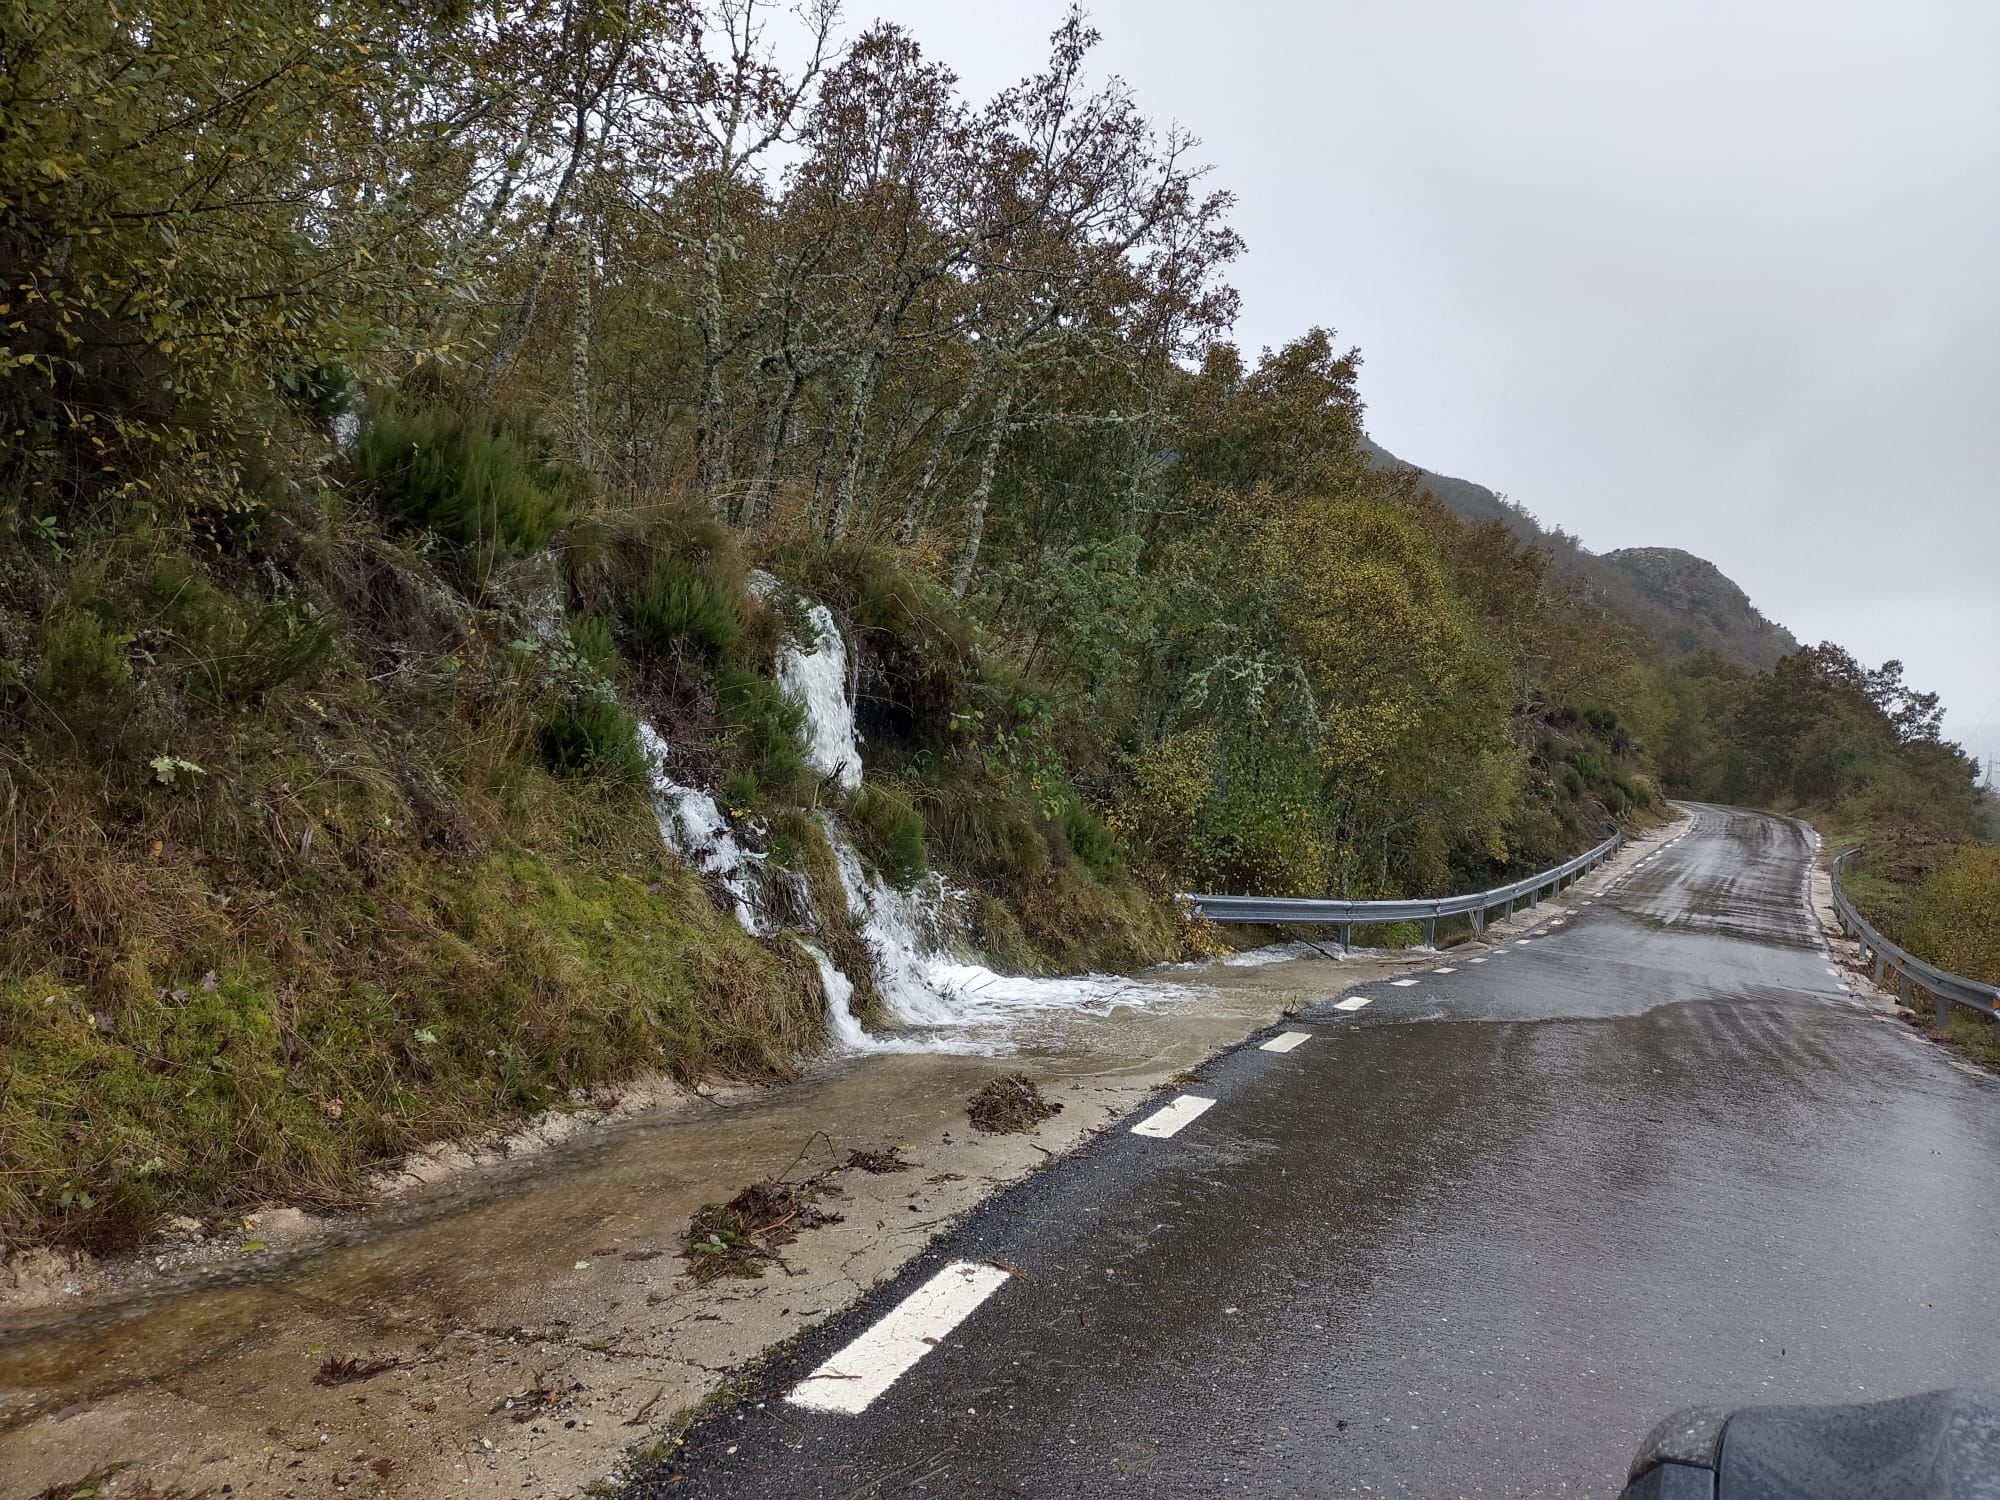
975,517
777,433
524,315
711,469
861,395
579,344
906,533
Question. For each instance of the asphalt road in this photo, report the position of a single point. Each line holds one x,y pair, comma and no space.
1471,1239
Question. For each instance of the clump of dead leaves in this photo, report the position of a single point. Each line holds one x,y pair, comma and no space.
1012,1105
739,1237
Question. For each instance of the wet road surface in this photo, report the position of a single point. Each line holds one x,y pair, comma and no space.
1471,1239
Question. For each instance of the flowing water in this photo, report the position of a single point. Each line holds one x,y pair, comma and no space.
694,828
939,994
817,681
457,1276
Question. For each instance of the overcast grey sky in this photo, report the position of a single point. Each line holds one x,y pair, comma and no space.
1713,274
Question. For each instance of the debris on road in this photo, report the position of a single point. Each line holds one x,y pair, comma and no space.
347,1371
736,1238
878,1162
1012,1105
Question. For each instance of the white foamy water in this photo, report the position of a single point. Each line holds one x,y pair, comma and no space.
841,1023
695,829
817,681
947,1002
937,994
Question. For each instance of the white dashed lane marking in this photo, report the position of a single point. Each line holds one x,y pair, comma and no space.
1475,960
1176,1117
1444,971
872,1363
1402,984
1285,1041
1353,1002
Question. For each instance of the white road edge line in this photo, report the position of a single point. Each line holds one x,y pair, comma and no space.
875,1361
1176,1117
1285,1041
1353,1002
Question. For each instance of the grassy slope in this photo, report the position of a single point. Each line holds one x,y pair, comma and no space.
289,887
266,924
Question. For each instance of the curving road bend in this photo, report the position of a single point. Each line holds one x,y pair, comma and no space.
1471,1238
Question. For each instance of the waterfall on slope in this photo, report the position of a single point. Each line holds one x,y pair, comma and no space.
938,995
959,1004
695,829
817,681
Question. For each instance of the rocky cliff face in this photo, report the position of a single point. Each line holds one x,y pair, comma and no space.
1683,602
1692,605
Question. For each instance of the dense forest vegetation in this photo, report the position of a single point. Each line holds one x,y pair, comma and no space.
396,402
1679,601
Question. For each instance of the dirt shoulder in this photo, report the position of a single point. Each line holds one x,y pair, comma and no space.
517,1329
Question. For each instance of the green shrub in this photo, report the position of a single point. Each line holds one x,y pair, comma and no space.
487,484
980,825
1954,915
679,605
594,735
762,729
285,641
1091,842
83,658
590,636
235,651
892,831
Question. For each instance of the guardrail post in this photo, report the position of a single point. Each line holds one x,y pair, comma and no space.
1878,967
1943,1010
1479,922
1510,910
1431,933
1346,937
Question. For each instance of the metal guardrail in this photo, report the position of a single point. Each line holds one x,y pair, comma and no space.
1911,973
1348,915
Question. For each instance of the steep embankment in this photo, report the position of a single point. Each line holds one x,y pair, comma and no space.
330,851
1683,602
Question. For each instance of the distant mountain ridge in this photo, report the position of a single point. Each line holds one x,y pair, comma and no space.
1684,602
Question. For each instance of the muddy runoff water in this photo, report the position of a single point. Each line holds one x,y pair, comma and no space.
532,1321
